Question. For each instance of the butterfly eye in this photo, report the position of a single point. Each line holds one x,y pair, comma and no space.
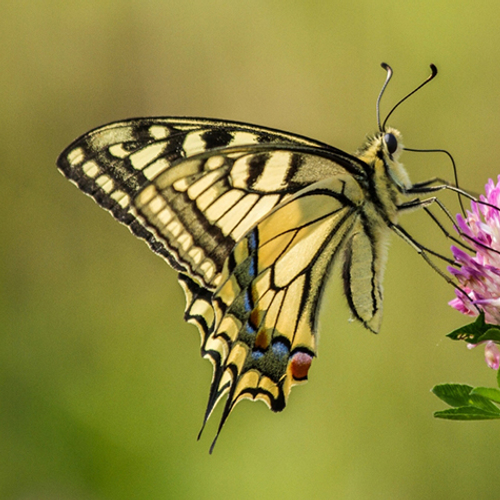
391,142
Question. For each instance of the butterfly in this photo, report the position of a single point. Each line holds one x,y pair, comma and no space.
252,219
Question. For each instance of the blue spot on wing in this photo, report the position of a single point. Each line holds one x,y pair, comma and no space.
253,241
247,300
250,329
252,268
280,350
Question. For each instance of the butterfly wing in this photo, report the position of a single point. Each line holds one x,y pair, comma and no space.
191,187
250,217
261,338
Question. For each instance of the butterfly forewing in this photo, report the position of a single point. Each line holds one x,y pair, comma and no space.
190,188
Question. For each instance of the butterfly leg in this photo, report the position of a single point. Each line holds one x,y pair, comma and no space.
421,249
429,182
418,203
423,252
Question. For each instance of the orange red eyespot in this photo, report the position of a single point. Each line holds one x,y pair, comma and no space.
300,364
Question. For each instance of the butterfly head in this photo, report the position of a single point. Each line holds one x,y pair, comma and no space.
388,149
392,141
386,145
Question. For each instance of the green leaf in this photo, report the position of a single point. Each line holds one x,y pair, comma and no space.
461,395
453,394
476,332
487,392
471,332
466,413
498,378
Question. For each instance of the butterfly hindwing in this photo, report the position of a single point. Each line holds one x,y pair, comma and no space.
261,334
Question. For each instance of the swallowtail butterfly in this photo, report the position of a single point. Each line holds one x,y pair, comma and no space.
252,219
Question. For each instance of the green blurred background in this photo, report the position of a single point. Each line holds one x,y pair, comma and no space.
102,390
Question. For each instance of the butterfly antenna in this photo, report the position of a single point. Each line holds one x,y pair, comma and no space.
425,82
382,90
